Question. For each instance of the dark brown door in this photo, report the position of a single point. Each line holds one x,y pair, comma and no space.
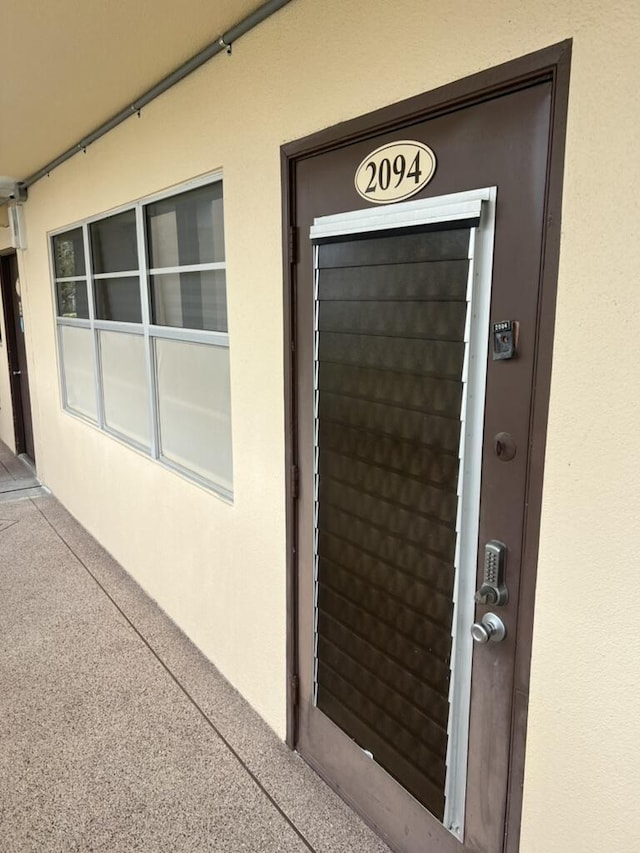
381,372
17,355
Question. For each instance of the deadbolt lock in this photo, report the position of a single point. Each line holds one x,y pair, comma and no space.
504,446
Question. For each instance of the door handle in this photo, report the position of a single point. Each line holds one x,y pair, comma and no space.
17,373
490,629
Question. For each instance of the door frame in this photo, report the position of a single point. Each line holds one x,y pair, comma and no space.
13,362
551,64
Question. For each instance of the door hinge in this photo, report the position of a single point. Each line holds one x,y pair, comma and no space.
294,687
295,482
293,244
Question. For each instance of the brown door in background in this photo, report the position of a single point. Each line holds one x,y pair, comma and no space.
380,325
17,355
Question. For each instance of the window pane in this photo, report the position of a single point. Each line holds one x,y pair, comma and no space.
186,229
195,408
68,254
114,246
124,385
77,369
193,300
72,299
118,299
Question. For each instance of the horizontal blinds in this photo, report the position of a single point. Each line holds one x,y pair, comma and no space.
391,313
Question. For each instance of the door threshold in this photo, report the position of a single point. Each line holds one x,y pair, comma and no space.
29,462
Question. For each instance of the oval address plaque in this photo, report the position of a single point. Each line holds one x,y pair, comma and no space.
395,171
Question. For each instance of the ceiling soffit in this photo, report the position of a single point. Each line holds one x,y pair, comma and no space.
70,66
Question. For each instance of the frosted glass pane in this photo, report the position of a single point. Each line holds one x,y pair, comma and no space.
124,385
77,368
194,400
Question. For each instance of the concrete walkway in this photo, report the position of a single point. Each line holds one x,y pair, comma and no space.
17,477
116,734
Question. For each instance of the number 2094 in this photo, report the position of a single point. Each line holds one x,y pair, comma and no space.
395,172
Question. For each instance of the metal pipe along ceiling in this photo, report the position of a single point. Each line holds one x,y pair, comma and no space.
223,43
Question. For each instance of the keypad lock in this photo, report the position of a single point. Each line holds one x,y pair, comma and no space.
493,590
505,339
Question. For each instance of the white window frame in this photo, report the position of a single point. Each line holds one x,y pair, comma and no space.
146,328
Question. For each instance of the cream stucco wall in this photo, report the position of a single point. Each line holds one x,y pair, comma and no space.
217,569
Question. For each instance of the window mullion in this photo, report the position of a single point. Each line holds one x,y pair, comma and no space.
95,346
77,322
214,265
148,341
195,336
61,367
121,274
70,278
